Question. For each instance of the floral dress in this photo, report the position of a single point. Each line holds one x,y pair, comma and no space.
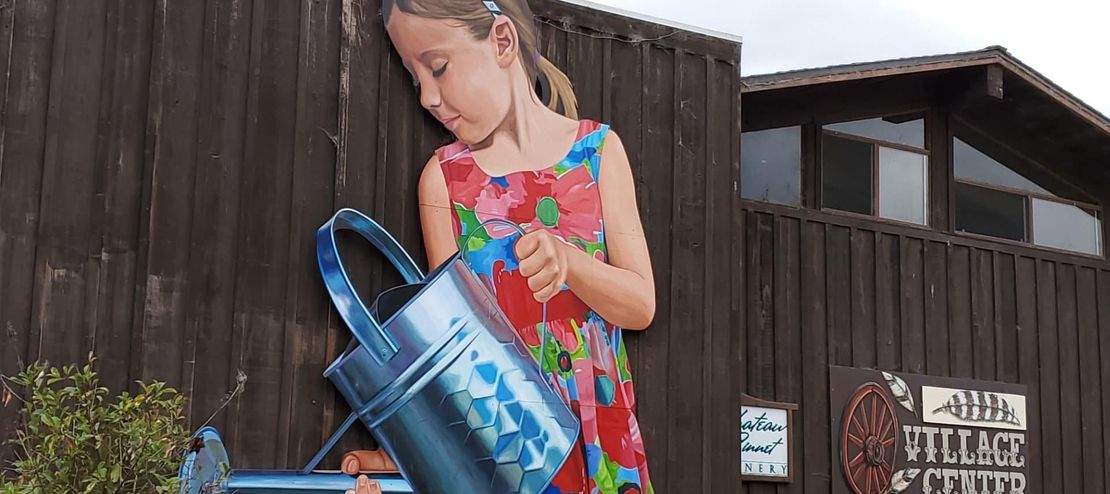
585,356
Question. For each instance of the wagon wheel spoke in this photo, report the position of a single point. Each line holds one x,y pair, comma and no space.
856,440
888,468
869,472
888,441
856,471
856,461
855,422
881,427
887,425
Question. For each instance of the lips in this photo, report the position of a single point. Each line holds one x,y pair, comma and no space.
450,122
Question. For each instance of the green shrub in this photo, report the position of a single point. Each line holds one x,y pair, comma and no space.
75,438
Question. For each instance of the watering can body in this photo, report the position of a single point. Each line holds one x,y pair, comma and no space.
438,375
441,379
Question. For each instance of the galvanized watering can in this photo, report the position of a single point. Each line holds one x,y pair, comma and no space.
440,378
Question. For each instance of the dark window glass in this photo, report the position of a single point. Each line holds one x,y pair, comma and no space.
972,164
770,165
909,133
990,212
846,175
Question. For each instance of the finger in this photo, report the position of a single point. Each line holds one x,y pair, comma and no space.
350,464
546,276
527,244
548,292
538,259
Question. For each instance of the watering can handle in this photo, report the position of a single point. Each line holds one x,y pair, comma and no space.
464,251
366,330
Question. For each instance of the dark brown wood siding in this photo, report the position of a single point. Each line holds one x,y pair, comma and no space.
165,165
889,297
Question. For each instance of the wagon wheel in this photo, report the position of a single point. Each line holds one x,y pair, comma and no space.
868,439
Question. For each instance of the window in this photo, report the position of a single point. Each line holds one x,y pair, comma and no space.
993,199
770,165
877,167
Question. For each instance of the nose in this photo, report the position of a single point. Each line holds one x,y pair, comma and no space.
429,96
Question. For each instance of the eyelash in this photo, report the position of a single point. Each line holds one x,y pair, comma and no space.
435,73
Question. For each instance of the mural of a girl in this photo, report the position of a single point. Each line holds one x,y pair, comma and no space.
568,183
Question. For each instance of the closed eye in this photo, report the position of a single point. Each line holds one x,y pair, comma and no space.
438,72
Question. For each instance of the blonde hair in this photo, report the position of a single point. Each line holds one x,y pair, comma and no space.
478,18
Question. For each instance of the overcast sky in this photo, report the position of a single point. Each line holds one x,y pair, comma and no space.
1066,40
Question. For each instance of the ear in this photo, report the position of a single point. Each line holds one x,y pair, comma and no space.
505,41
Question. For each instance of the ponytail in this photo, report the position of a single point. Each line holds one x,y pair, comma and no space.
562,97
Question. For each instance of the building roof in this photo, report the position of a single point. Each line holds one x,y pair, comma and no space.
987,56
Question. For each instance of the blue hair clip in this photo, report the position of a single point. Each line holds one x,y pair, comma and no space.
492,7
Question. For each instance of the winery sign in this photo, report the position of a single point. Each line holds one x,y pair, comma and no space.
896,432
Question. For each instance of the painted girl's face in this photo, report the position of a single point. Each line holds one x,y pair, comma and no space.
460,79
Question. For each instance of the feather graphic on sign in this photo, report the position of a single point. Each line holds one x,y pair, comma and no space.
980,406
900,391
902,479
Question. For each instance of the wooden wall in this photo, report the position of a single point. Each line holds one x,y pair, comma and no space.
826,289
165,164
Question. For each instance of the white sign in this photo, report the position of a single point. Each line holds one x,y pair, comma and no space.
764,442
972,408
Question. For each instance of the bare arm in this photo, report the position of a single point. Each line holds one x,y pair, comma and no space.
622,291
435,214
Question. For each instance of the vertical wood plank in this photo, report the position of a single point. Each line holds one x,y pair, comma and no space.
585,54
912,291
264,229
688,249
722,342
120,162
960,338
364,68
1005,319
1104,358
760,343
1070,411
651,349
787,338
1090,382
815,363
837,286
62,270
214,239
172,150
1026,281
982,314
862,277
936,309
307,306
1050,377
22,141
888,331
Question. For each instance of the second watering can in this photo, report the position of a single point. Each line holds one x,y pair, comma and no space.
440,378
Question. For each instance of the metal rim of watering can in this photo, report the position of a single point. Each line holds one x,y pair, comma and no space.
463,251
354,312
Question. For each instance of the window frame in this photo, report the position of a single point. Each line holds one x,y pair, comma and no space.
1030,239
819,164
